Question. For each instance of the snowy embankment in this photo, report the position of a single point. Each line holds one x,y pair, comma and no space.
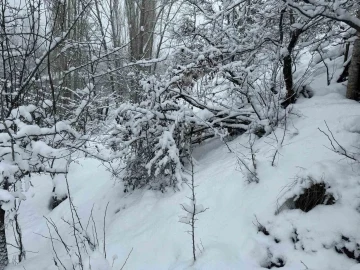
147,222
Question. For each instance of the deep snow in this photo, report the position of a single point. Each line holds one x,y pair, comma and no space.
148,221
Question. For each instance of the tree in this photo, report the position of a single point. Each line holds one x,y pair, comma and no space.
353,87
33,136
193,209
339,12
141,16
73,51
218,82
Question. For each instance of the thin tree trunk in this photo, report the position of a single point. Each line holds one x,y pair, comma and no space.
281,40
103,36
3,249
346,54
4,258
287,69
353,87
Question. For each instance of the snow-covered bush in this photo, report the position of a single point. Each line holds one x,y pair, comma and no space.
216,84
186,105
151,136
32,141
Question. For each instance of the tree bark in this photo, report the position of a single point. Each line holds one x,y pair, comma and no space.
141,15
353,87
287,71
3,248
4,258
287,68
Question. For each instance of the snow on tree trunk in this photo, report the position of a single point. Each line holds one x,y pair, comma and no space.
353,87
3,249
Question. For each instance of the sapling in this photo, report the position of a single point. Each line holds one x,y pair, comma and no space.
193,209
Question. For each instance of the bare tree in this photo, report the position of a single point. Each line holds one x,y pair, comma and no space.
33,135
333,11
192,210
69,53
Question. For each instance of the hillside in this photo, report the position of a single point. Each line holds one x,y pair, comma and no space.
147,222
179,134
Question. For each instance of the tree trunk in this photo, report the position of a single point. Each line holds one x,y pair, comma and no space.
287,71
353,87
287,68
141,16
3,248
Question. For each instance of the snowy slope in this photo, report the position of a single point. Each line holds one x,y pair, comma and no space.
148,221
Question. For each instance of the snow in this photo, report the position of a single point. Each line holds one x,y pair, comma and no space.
204,114
96,261
284,52
146,222
55,42
6,199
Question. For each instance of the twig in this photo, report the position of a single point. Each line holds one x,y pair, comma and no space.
53,247
343,151
105,230
304,265
126,259
73,219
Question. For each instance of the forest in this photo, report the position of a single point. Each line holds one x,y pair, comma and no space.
179,134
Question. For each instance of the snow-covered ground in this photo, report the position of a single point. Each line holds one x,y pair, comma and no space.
147,222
